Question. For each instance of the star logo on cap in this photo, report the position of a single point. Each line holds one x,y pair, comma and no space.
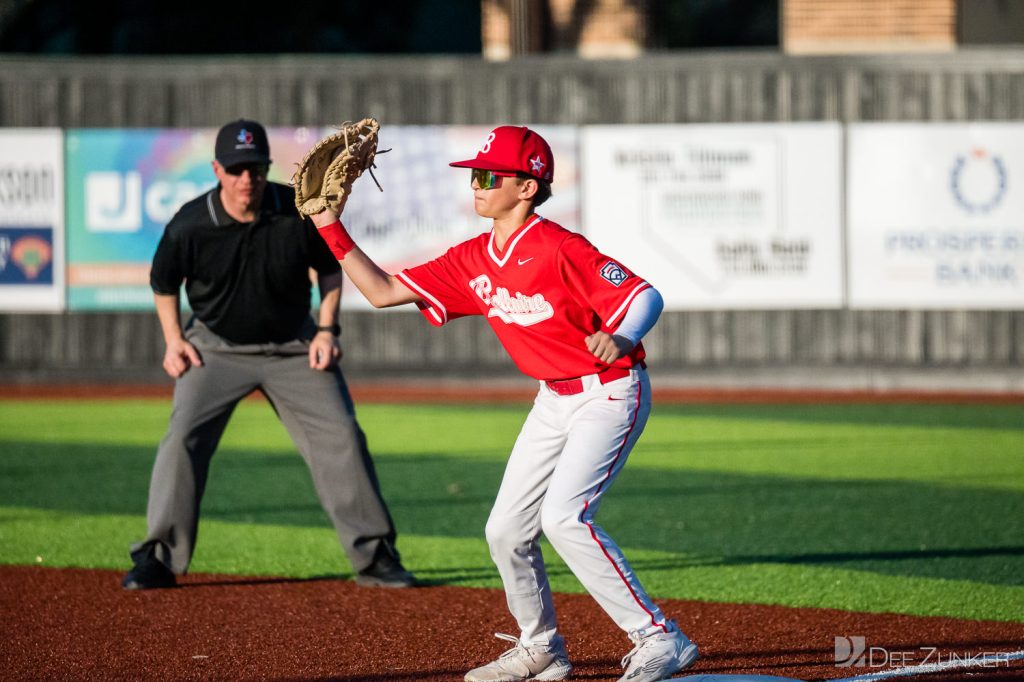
244,136
536,165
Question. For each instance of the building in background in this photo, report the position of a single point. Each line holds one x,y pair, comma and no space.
876,26
868,26
605,29
504,29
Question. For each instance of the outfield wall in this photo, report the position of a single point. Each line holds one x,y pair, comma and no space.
962,341
836,349
682,87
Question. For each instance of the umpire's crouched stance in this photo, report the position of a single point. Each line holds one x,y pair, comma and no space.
244,254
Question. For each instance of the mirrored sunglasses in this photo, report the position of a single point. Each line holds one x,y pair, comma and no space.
486,179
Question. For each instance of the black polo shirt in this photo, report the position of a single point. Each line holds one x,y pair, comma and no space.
248,282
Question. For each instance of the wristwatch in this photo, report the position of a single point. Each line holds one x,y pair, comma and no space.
332,328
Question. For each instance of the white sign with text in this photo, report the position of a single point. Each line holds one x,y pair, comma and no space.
31,219
720,216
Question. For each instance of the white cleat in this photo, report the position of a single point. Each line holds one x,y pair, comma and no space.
525,663
659,656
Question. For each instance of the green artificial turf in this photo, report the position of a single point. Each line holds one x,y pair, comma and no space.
905,508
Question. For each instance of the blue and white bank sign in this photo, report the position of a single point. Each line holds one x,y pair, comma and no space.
935,215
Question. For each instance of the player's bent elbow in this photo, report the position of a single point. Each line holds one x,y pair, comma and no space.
385,298
378,301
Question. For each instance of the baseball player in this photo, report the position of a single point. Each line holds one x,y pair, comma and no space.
572,318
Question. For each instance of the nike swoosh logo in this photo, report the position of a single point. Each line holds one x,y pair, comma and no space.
611,398
524,262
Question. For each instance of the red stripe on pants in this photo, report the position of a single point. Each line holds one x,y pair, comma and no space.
593,534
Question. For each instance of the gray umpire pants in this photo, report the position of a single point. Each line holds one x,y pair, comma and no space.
316,409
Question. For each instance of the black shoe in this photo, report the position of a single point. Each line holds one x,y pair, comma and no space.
385,571
147,574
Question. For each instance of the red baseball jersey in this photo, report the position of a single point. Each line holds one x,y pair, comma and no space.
543,294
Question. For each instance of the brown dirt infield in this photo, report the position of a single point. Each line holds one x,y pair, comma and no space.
77,624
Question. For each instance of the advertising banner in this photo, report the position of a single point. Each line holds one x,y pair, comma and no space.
31,219
124,185
720,216
936,215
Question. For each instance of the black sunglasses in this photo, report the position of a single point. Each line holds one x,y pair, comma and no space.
254,169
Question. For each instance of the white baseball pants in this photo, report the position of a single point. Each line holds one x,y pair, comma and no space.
566,457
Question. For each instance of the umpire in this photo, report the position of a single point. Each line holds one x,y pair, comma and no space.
245,254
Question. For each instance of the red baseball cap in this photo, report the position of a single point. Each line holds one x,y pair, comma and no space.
513,149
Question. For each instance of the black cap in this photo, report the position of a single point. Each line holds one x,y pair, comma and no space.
242,141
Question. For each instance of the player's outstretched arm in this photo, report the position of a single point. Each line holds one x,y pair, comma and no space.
381,289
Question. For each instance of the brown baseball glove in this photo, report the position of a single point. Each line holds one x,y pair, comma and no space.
324,178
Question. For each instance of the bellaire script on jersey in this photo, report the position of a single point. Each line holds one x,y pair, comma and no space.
521,309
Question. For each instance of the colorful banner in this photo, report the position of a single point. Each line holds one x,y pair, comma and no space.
123,188
720,216
124,185
31,219
427,206
936,215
